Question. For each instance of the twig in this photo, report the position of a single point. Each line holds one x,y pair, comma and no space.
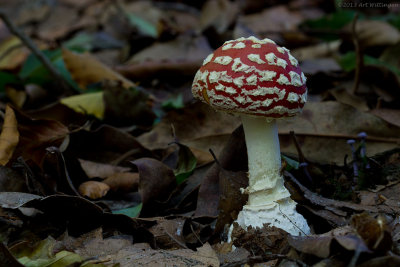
287,217
345,136
194,233
35,50
359,56
298,148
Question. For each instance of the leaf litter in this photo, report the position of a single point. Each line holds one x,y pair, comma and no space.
125,169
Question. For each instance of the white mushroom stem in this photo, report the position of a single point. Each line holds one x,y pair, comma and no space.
269,201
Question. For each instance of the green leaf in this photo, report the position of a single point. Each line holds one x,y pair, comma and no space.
331,22
61,259
175,102
348,62
186,163
142,25
82,41
132,212
85,42
291,163
7,78
90,103
33,70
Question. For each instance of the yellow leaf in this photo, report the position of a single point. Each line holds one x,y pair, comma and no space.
86,70
12,53
9,136
91,103
17,97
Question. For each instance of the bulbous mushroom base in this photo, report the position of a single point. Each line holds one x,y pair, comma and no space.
281,214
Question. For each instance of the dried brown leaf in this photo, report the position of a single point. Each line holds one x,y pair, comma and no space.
392,116
156,179
9,136
142,255
324,127
101,170
123,181
374,231
218,14
86,70
169,233
37,135
233,158
343,96
197,126
93,189
321,245
375,33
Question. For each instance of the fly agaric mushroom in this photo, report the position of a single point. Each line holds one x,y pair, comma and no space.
261,82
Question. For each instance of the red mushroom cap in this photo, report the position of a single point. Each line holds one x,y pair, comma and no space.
252,76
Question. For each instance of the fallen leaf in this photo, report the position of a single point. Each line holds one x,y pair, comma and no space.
12,180
61,21
101,170
156,179
374,231
218,14
9,136
235,256
13,53
197,126
37,135
123,182
341,209
93,189
187,191
269,21
41,254
343,96
13,200
182,161
325,126
127,106
316,65
231,200
7,258
322,245
181,56
90,103
58,112
391,260
375,33
204,256
392,116
117,147
86,70
17,97
320,50
233,158
131,212
169,234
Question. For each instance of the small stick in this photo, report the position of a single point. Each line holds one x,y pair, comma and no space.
35,50
345,136
296,143
359,56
